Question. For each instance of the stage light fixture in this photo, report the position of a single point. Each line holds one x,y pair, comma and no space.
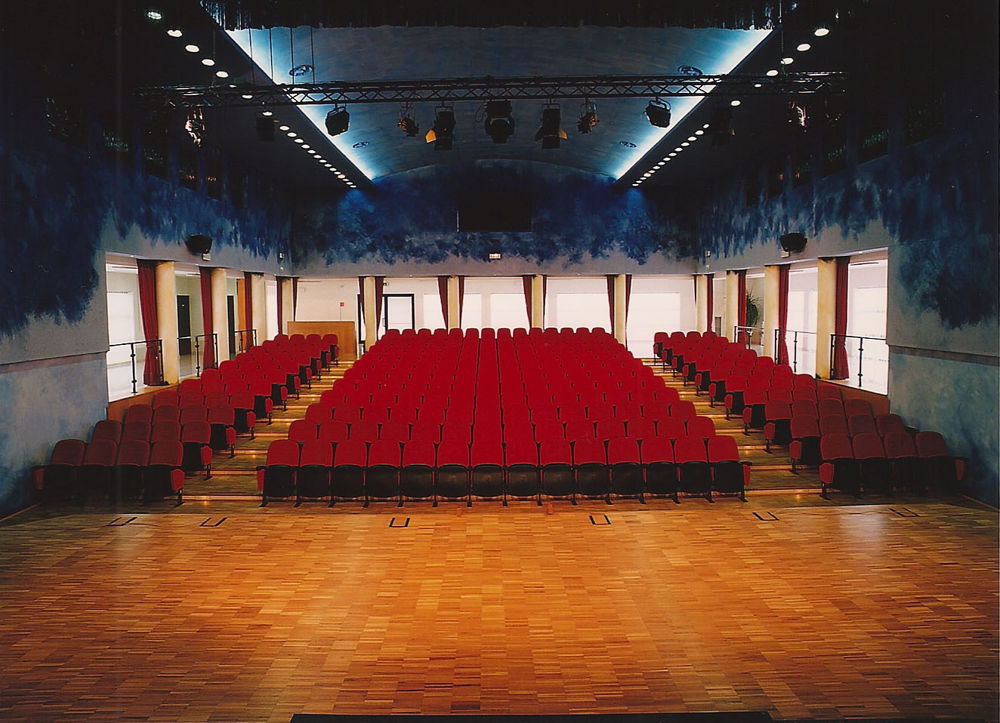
442,133
588,118
265,127
499,124
338,121
658,113
549,133
796,115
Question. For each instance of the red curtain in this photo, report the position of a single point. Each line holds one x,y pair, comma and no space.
710,301
461,297
208,356
611,299
295,296
280,279
152,371
526,283
628,293
248,308
741,309
443,295
379,292
839,368
782,349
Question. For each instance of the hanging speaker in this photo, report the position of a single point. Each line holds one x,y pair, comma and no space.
198,243
793,242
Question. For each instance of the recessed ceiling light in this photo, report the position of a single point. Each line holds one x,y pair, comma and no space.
787,61
339,174
685,144
668,159
673,154
267,113
699,132
221,74
284,128
659,165
803,47
706,126
692,138
331,170
771,73
678,149
247,96
174,33
192,48
757,85
292,134
646,175
821,31
208,61
154,15
299,140
306,145
635,185
735,102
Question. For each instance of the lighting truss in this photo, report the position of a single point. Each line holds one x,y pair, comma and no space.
483,89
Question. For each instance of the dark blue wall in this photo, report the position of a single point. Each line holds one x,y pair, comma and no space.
580,224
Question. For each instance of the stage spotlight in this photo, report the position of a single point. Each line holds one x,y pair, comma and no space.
442,133
338,121
549,133
796,115
265,127
588,118
721,126
658,113
406,121
499,124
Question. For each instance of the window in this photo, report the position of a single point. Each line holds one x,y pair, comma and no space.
576,302
432,318
648,313
834,139
116,136
508,310
866,315
472,311
802,319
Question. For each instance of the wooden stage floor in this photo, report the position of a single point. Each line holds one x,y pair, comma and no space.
793,606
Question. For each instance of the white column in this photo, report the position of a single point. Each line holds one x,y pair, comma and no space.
371,319
620,315
220,313
771,275
454,320
537,301
701,302
259,291
732,315
826,313
166,320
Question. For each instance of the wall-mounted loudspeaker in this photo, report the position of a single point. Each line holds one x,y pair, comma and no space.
793,242
198,243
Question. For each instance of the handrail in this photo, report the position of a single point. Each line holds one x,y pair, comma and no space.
861,350
241,335
197,350
795,346
158,356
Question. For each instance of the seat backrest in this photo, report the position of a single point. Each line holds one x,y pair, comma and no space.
316,452
887,424
419,452
671,428
165,432
168,397
804,394
702,427
683,409
867,445
828,391
656,449
861,424
804,408
804,381
803,426
302,429
166,452
899,445
779,394
589,451
623,449
453,450
690,449
833,425
394,431
139,413
353,452
137,430
931,444
830,407
384,452
835,446
853,407
101,452
69,452
554,451
200,432
133,452
193,413
723,448
107,429
166,413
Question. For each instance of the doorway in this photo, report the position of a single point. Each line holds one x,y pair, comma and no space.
184,325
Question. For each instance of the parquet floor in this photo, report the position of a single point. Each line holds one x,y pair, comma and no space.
222,611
